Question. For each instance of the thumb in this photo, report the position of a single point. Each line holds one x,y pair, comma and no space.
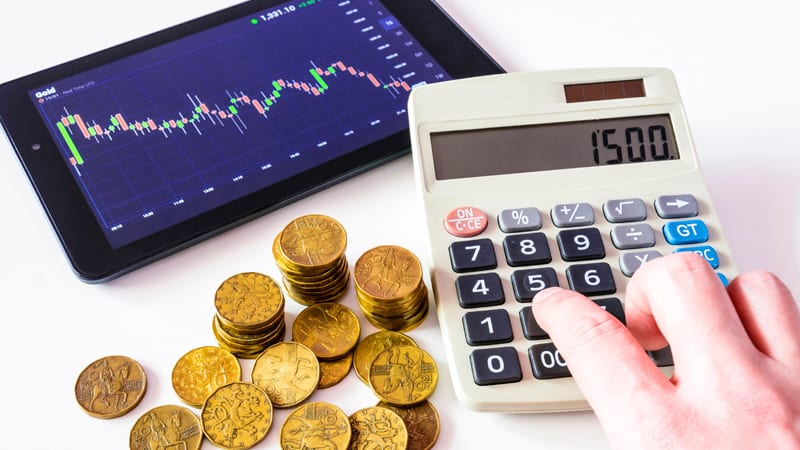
609,365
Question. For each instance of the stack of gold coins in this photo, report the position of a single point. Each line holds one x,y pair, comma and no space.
390,288
250,314
309,252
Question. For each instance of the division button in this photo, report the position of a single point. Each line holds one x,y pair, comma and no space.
466,221
638,235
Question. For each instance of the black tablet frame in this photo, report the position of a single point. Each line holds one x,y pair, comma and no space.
85,245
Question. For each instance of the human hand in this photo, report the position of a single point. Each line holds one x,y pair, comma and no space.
736,381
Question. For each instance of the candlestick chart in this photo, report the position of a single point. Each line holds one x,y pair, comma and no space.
176,130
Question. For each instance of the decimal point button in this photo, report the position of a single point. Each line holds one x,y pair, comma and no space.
466,221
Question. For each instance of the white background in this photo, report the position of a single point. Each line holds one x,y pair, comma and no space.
736,63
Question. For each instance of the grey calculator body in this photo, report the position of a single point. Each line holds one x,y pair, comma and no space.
572,178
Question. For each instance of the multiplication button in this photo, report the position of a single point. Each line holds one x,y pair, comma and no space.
495,366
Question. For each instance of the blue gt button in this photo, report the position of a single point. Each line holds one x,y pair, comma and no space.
686,232
706,251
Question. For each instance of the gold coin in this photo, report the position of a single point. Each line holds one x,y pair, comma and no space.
246,301
167,427
288,372
236,416
422,423
376,427
198,373
330,330
111,387
333,372
370,346
316,425
388,272
403,375
312,241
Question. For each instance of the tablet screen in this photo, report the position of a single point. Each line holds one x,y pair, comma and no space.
164,135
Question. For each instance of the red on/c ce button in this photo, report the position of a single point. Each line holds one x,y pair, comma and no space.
466,221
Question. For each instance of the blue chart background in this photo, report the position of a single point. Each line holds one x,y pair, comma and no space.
139,184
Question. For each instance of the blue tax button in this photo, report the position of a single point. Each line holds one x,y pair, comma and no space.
706,251
686,232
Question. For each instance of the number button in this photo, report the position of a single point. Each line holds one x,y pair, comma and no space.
530,327
528,283
612,306
581,244
547,362
572,215
477,290
591,279
526,249
470,256
487,327
495,366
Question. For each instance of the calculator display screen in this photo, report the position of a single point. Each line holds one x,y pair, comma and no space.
553,146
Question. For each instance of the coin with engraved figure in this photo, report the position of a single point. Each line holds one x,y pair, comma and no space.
199,373
370,346
313,240
330,330
403,375
288,372
246,301
316,425
377,428
236,416
111,387
388,272
422,422
168,427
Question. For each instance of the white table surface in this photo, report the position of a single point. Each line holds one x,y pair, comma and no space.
737,67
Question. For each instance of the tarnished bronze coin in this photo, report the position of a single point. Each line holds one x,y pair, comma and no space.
377,427
236,416
111,387
313,240
370,346
388,272
422,422
199,373
316,425
247,301
330,330
167,427
403,375
333,372
288,372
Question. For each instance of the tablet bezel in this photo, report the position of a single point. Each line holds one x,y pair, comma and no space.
91,256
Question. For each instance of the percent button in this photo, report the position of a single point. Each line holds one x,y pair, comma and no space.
466,221
519,219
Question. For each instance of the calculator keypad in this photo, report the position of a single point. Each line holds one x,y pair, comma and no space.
526,248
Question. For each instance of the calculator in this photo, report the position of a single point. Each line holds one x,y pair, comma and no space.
571,178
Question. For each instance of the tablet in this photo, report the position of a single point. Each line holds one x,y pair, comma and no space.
153,145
